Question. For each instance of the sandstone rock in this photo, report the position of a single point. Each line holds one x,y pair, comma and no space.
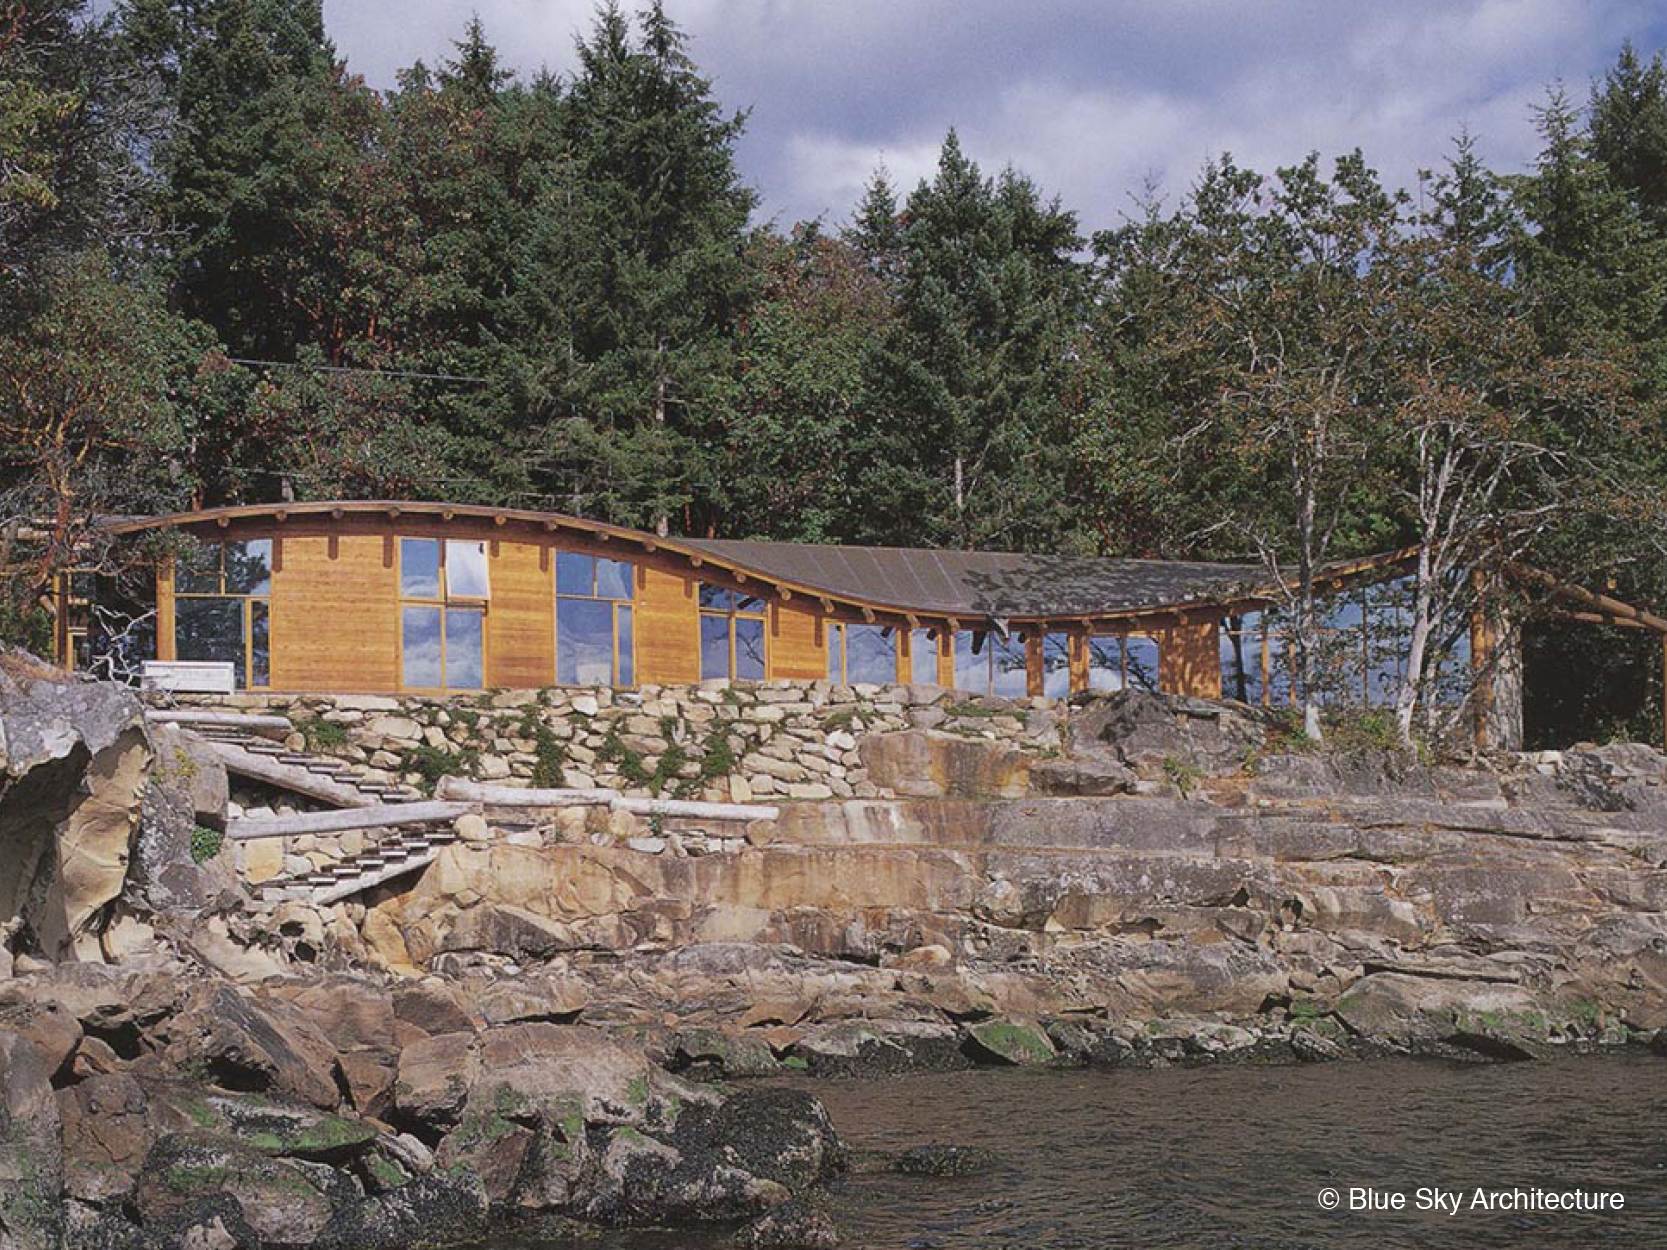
473,828
504,930
267,1046
432,1006
357,1017
435,1075
74,769
936,765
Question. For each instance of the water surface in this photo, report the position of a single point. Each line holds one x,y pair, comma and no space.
1207,1158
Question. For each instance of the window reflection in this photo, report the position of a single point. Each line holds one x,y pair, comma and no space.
731,635
466,570
421,647
575,573
1140,662
1056,665
870,654
584,642
221,607
714,646
749,649
419,568
465,669
1009,677
615,579
249,567
1105,664
923,656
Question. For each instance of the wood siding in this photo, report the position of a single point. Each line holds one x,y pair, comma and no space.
521,616
335,614
1189,658
668,628
798,643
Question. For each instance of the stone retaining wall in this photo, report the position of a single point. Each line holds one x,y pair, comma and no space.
765,742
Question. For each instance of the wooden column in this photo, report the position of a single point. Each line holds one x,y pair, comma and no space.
1035,675
165,609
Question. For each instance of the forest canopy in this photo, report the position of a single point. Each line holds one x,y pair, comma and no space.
230,271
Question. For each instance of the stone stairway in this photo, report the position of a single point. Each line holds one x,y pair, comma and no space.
392,856
321,777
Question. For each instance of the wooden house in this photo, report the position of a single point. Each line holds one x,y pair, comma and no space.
393,597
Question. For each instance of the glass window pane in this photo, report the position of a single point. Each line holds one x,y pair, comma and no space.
466,570
923,656
972,662
1007,657
1141,657
614,579
836,651
210,629
419,569
627,655
715,597
1281,676
422,647
870,654
584,642
260,643
249,567
575,573
746,603
1056,665
1105,663
749,649
197,569
714,645
465,666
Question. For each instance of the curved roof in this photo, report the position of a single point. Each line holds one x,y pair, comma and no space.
895,580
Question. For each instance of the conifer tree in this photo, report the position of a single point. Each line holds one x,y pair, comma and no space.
660,275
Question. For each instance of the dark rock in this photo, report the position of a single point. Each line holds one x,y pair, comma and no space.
794,1225
941,1159
432,1211
1152,733
31,1149
282,1201
731,1054
264,1046
783,1135
881,1047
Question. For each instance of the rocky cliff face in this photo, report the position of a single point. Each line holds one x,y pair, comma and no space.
1192,870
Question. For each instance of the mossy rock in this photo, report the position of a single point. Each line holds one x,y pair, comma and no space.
1016,1042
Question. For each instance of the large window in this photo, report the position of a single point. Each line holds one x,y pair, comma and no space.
1360,654
443,589
923,656
594,621
1123,662
731,635
223,608
986,663
862,654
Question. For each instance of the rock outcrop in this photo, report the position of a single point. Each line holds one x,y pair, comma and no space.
308,1114
74,769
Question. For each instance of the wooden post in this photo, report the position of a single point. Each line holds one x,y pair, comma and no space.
165,609
1035,674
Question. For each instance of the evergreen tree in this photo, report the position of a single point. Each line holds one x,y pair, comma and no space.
1628,124
659,280
967,420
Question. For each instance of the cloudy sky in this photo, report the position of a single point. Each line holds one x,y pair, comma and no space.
1091,99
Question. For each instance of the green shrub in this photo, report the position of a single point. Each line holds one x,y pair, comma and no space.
321,734
431,764
551,759
205,843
